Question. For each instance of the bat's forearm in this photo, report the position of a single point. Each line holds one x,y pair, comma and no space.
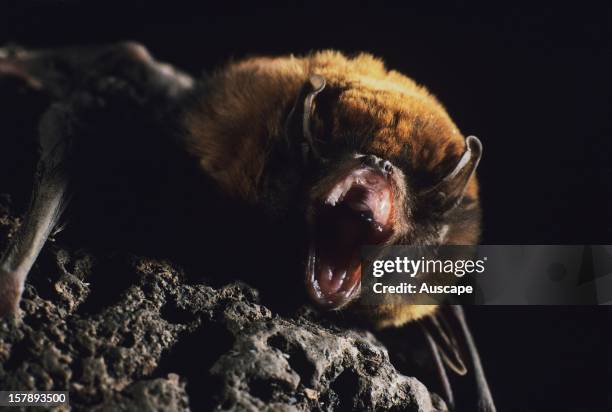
46,205
45,209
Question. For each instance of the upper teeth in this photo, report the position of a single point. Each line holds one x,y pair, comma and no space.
339,191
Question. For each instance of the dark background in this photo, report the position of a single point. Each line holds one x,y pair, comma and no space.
532,82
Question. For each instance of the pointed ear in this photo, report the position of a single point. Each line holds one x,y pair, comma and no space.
445,195
299,120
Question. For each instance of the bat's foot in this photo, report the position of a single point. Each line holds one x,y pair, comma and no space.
10,294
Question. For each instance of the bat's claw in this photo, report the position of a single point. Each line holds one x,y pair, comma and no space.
56,231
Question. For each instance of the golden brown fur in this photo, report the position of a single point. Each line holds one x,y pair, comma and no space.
232,129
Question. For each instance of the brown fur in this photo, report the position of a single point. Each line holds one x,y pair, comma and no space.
232,129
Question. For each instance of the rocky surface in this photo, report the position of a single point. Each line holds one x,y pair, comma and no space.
122,332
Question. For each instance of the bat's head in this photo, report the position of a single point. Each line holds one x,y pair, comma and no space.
384,166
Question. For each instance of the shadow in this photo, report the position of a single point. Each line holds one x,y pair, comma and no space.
192,357
108,282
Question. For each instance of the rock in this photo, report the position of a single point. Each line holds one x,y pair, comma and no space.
122,332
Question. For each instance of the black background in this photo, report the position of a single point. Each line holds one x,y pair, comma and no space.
532,82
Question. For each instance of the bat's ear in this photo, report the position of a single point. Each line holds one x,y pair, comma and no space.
447,193
298,127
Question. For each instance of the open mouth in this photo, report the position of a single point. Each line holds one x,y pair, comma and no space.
357,211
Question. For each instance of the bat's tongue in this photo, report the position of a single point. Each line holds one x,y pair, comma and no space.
357,212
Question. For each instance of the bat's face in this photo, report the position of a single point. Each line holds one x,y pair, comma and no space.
382,174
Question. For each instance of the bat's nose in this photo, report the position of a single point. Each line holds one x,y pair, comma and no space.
377,163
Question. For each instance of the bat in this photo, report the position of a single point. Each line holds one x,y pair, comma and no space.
370,157
361,154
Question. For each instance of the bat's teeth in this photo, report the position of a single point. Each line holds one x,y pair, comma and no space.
347,184
334,196
339,191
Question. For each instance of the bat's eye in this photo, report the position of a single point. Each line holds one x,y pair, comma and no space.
357,211
376,162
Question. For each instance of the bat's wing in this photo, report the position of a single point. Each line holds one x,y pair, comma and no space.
67,76
453,347
61,72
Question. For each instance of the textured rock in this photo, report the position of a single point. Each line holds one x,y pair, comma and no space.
127,333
